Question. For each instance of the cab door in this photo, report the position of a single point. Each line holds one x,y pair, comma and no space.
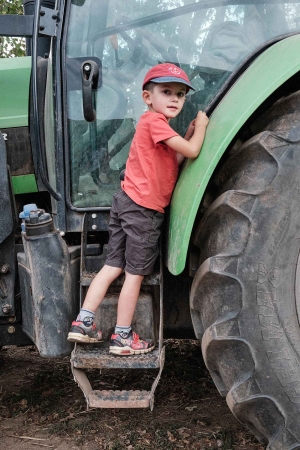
123,40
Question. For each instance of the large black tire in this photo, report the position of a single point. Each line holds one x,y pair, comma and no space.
245,296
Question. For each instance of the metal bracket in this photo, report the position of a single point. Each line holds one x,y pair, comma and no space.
156,381
14,25
22,26
48,21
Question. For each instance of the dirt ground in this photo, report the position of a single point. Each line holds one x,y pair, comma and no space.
41,406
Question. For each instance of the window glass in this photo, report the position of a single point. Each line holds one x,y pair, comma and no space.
128,37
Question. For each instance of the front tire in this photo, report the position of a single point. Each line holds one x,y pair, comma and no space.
245,296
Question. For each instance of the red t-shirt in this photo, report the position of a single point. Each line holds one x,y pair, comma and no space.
152,167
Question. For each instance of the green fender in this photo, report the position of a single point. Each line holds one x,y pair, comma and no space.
14,91
14,107
269,71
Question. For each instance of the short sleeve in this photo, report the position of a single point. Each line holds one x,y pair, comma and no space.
160,129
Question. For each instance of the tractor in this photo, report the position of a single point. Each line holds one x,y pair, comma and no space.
228,268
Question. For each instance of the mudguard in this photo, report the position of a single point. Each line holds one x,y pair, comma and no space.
6,217
269,71
7,239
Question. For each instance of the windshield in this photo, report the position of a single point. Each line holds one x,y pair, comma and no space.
126,38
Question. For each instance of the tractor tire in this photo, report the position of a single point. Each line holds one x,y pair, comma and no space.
245,296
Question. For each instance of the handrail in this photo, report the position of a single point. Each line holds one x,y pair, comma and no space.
40,161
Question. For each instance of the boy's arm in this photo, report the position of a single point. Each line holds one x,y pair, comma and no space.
192,147
180,158
189,133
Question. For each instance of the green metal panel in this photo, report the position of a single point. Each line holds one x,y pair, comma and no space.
23,184
264,76
14,91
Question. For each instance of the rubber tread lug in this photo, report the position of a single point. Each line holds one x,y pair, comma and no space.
220,293
225,227
230,361
260,415
250,169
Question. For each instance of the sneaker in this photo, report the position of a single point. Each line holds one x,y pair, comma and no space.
84,333
129,344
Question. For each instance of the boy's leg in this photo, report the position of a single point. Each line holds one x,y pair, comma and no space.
99,286
128,299
83,328
127,342
142,227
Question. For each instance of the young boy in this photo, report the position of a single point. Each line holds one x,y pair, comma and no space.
137,212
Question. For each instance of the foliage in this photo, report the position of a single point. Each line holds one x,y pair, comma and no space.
11,46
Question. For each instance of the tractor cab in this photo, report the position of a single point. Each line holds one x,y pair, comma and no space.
106,49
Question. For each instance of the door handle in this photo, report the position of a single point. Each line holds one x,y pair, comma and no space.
90,75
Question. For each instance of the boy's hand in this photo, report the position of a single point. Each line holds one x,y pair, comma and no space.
191,144
201,120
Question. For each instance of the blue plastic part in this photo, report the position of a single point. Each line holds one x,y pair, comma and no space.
26,212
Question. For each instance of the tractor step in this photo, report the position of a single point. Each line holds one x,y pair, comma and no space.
89,356
149,280
120,399
96,356
147,322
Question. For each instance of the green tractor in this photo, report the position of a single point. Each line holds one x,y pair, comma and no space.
229,271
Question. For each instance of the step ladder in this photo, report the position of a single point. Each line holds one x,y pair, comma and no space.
96,356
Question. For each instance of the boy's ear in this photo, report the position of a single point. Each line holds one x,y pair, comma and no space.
147,97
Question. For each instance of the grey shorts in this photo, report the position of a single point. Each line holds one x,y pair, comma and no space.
134,233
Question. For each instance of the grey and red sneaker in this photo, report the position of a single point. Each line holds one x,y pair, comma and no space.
129,344
84,332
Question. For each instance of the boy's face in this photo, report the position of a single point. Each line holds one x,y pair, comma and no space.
166,98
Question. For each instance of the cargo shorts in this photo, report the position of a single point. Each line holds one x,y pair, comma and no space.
134,233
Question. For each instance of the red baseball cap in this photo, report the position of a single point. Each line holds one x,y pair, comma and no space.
167,73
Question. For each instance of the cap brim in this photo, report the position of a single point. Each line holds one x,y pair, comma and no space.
172,80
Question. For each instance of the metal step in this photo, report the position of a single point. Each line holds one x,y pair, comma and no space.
120,399
89,356
96,356
109,398
149,280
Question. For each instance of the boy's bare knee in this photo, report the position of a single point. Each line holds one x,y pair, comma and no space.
111,272
133,278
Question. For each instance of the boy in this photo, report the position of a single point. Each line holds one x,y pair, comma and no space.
137,211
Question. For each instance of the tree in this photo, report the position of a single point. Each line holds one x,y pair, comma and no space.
10,46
